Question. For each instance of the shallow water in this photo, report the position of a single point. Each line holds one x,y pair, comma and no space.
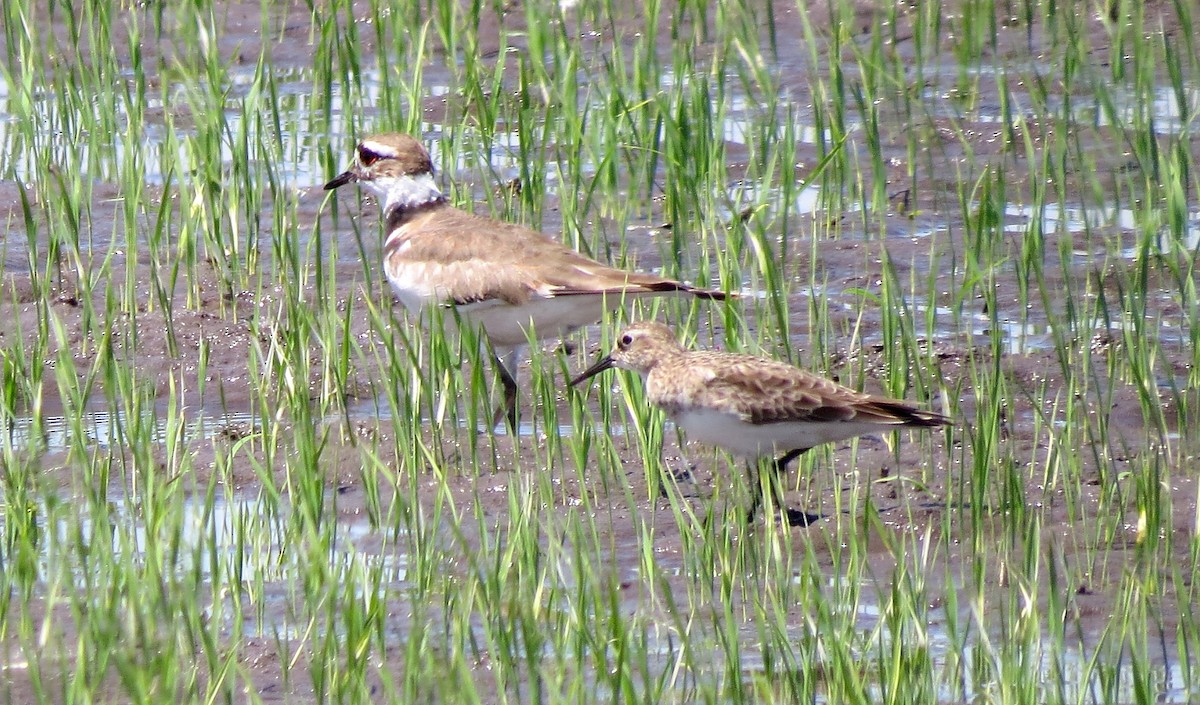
105,430
212,534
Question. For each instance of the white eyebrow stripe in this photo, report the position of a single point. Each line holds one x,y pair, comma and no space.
381,149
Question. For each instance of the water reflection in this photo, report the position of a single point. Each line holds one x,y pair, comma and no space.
225,541
1054,218
107,430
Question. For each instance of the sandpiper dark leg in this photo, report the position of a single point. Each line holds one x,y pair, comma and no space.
684,474
782,461
795,517
755,491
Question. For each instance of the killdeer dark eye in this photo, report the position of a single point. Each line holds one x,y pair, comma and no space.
367,158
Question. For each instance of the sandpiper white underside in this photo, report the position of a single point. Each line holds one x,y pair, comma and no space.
751,441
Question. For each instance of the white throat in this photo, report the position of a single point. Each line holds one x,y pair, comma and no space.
404,192
643,373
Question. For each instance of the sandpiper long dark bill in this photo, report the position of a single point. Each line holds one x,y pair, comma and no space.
751,406
505,279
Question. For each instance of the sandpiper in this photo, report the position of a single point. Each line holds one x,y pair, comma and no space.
508,280
751,406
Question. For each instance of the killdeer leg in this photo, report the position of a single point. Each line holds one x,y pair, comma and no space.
507,410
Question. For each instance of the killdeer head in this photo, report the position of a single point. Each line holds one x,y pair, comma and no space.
396,168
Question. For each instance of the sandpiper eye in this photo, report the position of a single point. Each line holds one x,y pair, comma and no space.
625,341
367,158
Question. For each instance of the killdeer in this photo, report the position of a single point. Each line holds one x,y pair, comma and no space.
751,406
507,280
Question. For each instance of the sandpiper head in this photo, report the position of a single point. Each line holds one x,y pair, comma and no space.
640,347
383,160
